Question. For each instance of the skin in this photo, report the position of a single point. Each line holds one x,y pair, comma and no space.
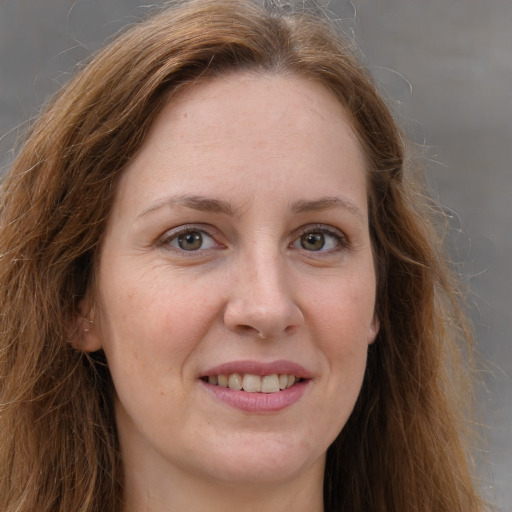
269,150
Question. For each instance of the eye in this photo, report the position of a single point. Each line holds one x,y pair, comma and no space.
320,239
190,240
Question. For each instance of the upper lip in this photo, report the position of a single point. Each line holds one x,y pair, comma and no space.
259,368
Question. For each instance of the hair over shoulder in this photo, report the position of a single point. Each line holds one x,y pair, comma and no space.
403,448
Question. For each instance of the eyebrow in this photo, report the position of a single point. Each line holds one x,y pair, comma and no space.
327,203
203,204
211,205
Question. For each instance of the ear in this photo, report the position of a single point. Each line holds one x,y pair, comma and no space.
86,336
373,329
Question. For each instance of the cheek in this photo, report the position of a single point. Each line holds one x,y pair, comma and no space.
344,312
343,325
154,321
148,332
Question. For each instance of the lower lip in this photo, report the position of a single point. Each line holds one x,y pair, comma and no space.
258,402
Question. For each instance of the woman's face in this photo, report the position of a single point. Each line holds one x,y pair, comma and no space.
238,254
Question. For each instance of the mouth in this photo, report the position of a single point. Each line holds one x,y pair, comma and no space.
251,383
257,387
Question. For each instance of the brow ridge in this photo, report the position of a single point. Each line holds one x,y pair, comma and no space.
326,203
203,204
213,205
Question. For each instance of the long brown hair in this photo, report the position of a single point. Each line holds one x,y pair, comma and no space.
402,448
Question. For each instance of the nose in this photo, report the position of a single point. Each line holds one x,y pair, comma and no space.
262,302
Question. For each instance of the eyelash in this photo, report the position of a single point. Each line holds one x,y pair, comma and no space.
169,237
342,243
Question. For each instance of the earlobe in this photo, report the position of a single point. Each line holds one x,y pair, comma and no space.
373,330
86,336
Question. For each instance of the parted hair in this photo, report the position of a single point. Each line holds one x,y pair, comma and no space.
403,448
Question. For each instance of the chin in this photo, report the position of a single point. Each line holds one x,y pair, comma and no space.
261,460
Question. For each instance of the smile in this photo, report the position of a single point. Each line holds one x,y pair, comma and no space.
253,383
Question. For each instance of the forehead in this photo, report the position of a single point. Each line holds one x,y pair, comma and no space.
243,132
285,101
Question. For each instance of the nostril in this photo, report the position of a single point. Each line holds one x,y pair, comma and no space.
248,329
290,329
263,320
262,333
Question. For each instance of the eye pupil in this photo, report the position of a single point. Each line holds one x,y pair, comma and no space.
312,241
190,241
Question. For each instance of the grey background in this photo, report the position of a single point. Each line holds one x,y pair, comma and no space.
447,69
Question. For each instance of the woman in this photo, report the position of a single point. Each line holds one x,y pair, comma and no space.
220,286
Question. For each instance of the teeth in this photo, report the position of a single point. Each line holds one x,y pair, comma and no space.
235,381
270,383
254,383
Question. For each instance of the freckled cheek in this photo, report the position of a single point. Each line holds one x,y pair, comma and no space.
160,323
344,310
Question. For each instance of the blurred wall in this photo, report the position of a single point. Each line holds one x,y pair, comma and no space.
457,57
447,69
